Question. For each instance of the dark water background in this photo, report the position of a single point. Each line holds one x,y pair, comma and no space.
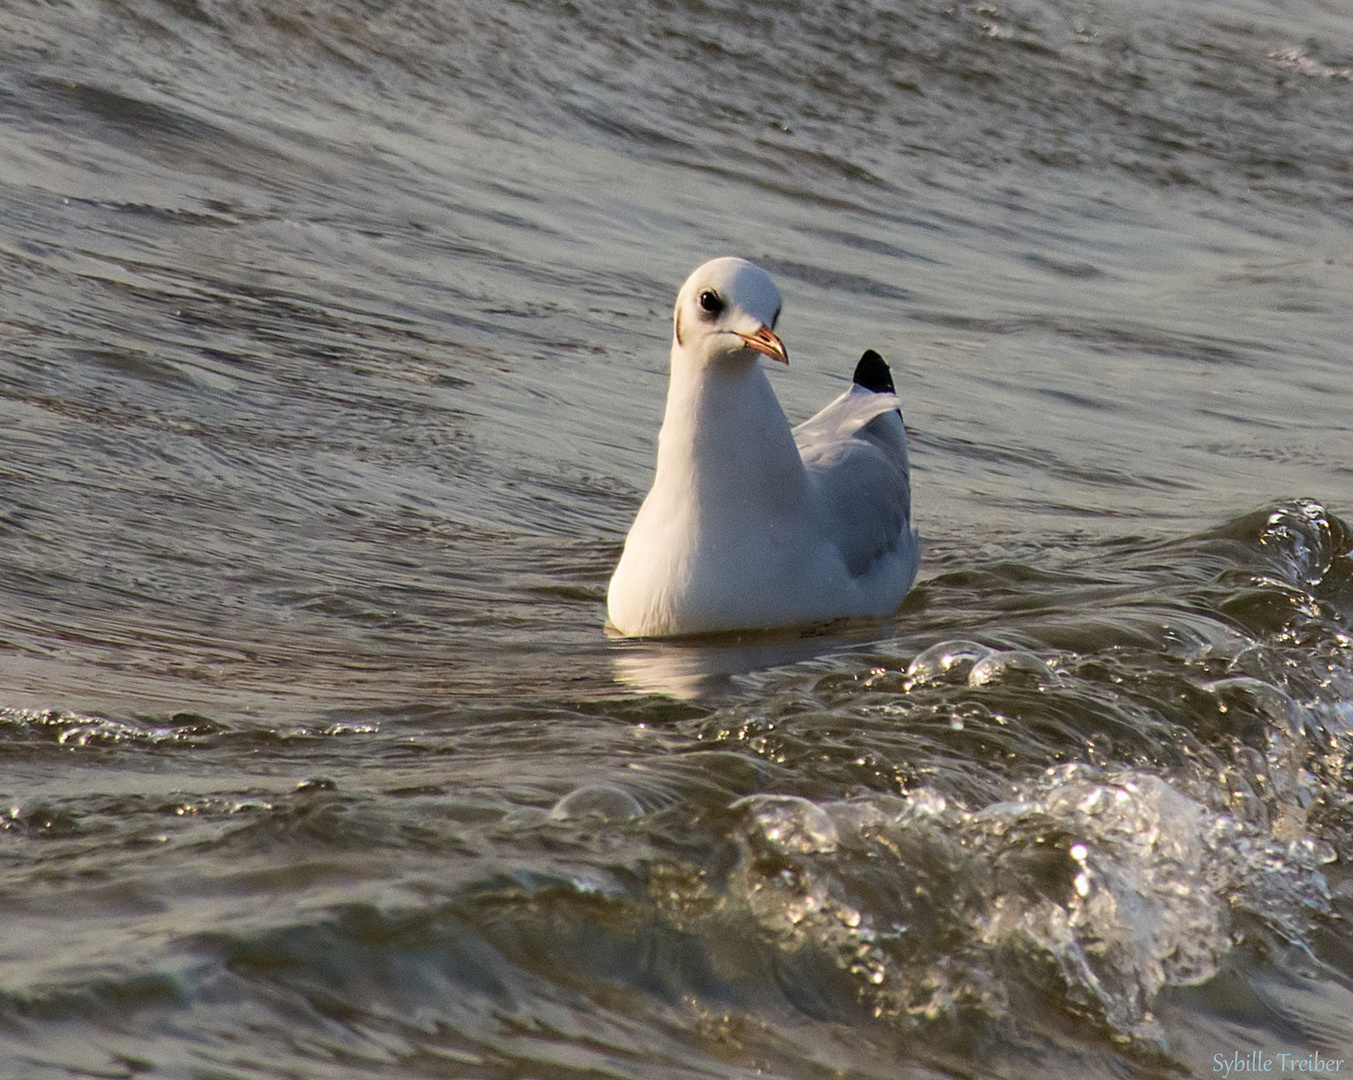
332,351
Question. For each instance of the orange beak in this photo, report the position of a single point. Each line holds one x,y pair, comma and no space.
765,341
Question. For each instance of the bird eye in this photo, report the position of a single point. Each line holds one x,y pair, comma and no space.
709,301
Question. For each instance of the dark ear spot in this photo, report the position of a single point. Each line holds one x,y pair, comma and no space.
676,323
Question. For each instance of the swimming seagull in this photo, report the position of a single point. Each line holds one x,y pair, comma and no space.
751,524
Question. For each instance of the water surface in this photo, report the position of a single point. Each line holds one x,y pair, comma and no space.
332,353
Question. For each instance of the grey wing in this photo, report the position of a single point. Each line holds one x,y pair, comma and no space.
856,451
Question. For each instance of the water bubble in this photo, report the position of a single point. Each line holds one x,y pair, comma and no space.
864,813
1302,539
790,824
523,818
945,662
602,802
927,802
1013,668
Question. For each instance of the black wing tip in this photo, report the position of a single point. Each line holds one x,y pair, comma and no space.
873,373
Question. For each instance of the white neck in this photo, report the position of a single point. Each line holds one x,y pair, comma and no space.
723,424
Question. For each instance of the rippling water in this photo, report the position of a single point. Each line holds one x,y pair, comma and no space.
332,351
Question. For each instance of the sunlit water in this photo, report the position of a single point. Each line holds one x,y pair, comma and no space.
333,345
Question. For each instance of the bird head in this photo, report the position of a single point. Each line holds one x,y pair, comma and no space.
728,309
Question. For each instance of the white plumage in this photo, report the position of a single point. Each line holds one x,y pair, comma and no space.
750,524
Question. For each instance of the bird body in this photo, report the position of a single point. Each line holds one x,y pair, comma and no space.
750,524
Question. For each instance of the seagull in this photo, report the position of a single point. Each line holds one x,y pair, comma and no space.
751,524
